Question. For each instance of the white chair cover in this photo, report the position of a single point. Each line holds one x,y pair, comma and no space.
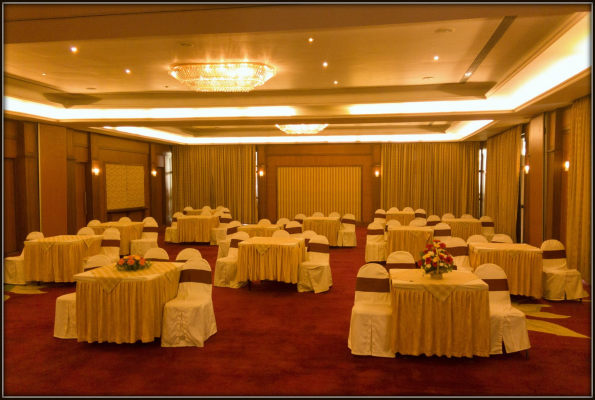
380,217
459,251
375,243
335,214
281,233
206,213
188,254
307,235
94,222
97,261
147,219
318,214
147,241
507,324
347,236
432,220
448,216
219,208
559,282
501,238
232,230
300,218
220,233
14,267
487,227
156,254
315,274
400,260
225,210
467,216
188,208
283,222
421,213
208,208
442,231
189,319
264,222
408,209
86,231
171,233
418,222
393,210
294,228
477,239
392,222
110,244
125,219
226,268
370,327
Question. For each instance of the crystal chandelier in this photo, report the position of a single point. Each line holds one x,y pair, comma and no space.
222,77
302,129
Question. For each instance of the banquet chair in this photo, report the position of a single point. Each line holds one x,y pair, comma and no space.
300,218
307,236
171,232
208,208
380,217
501,238
433,220
346,236
186,209
334,214
156,254
14,267
393,210
476,239
421,213
418,222
400,260
206,213
559,282
448,216
94,222
315,274
86,231
318,215
189,319
487,227
467,216
408,209
219,208
392,222
147,219
442,231
459,252
226,267
147,241
225,210
294,228
375,243
371,315
507,324
283,222
281,233
219,233
232,229
124,219
188,254
65,314
110,246
264,222
217,213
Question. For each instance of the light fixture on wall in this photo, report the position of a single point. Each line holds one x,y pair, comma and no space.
566,165
261,173
95,171
377,173
222,77
154,172
302,129
526,169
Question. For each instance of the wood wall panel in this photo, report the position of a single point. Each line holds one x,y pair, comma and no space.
554,171
534,182
27,181
80,186
10,212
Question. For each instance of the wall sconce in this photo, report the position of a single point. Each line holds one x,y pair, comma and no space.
566,165
95,171
261,173
154,172
377,173
526,169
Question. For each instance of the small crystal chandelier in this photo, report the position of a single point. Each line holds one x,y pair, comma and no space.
302,129
222,77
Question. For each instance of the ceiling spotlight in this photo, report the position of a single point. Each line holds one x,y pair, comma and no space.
468,74
185,44
428,77
43,74
73,49
336,82
325,64
303,129
127,71
444,30
310,40
436,57
91,88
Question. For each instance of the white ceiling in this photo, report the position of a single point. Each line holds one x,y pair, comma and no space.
377,53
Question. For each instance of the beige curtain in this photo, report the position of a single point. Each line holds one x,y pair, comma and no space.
437,177
306,190
578,237
502,180
216,176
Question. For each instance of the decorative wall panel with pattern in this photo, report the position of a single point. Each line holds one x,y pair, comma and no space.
125,186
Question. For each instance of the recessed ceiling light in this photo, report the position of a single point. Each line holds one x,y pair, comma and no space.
444,30
73,49
127,71
436,57
310,40
428,77
325,64
185,44
468,74
336,82
91,88
43,74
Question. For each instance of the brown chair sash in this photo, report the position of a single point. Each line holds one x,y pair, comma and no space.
372,285
375,232
185,212
486,224
110,243
495,241
432,223
553,254
301,221
458,251
307,241
89,269
442,232
157,259
196,276
224,220
231,231
454,267
150,229
497,285
295,229
382,216
348,221
234,243
318,248
420,215
401,265
174,219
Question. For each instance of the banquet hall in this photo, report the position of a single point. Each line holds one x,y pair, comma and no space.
258,199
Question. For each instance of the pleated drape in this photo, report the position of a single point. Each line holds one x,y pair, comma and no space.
437,177
306,190
578,237
502,180
216,176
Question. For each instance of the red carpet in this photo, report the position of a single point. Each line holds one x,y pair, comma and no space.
275,341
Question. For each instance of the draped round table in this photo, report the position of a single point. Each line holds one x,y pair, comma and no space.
196,228
260,230
128,231
412,239
404,217
464,227
325,226
270,258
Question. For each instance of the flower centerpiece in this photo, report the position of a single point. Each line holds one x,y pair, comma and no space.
132,263
435,260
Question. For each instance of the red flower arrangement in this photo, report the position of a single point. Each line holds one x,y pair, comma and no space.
435,259
132,263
